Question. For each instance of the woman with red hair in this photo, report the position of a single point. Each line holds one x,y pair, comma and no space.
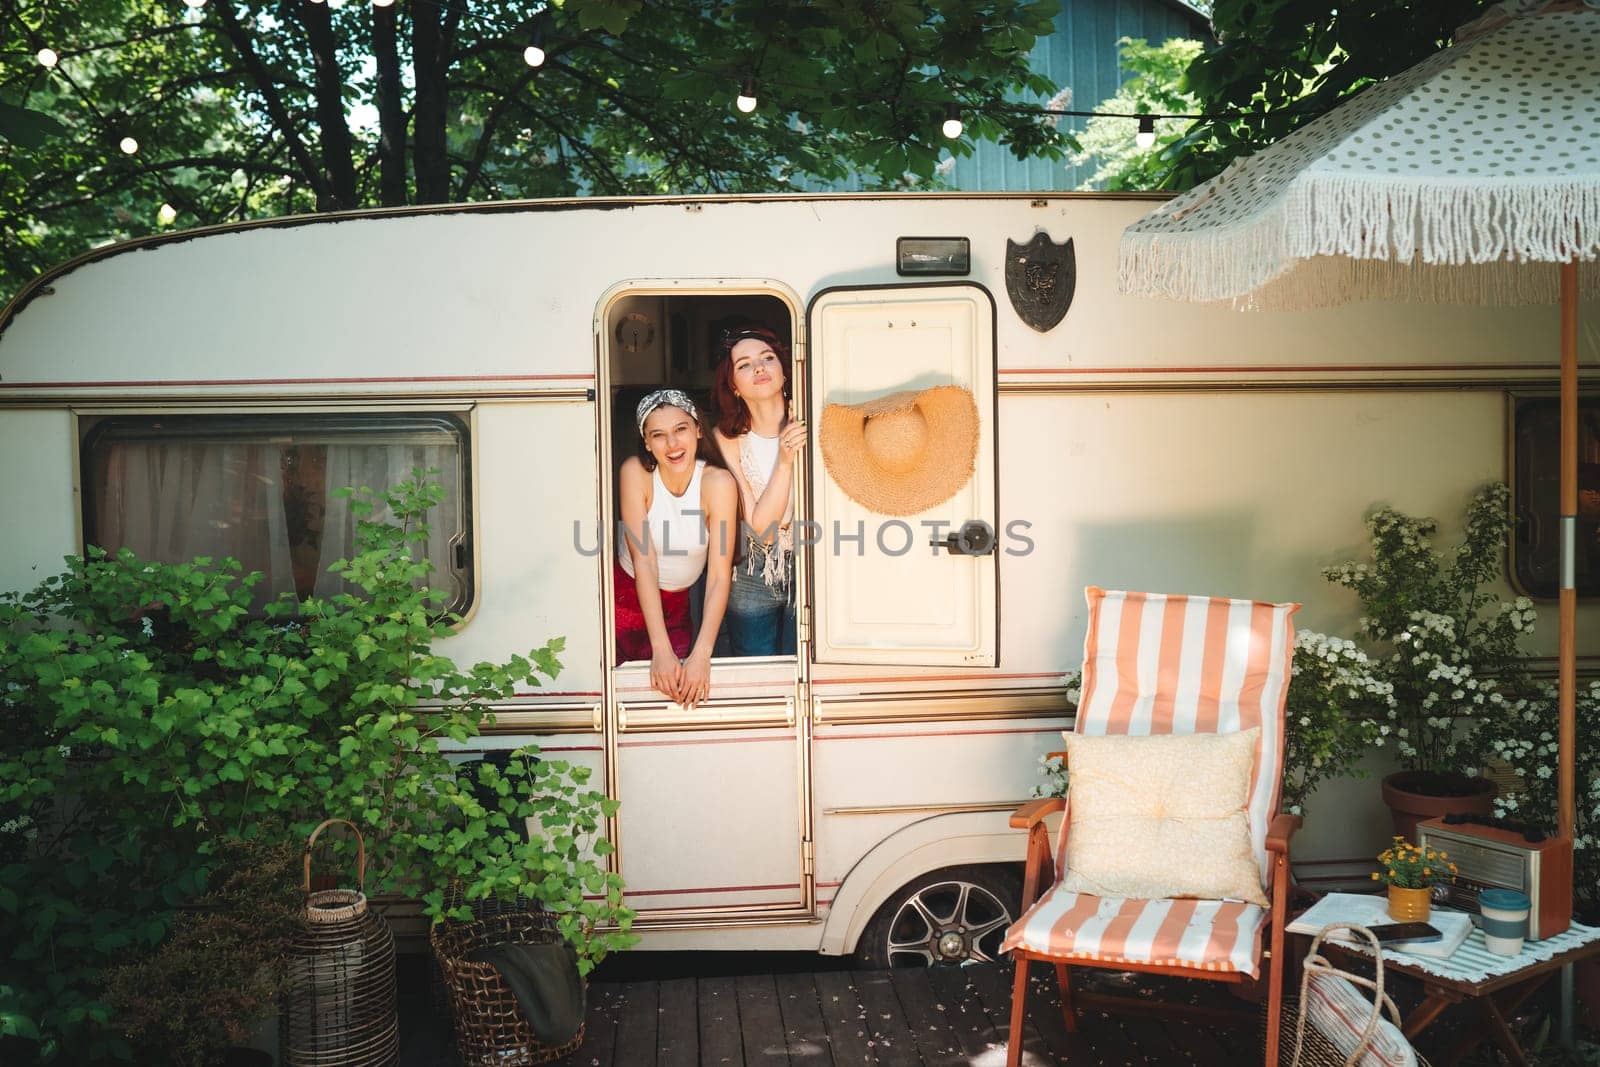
759,442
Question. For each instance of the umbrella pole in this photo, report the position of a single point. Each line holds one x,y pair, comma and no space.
1567,655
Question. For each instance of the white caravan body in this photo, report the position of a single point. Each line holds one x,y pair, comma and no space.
1140,444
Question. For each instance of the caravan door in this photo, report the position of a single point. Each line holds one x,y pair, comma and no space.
913,589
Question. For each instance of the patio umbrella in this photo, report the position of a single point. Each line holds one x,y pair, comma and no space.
1473,177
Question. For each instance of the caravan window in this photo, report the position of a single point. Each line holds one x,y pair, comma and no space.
1536,546
261,488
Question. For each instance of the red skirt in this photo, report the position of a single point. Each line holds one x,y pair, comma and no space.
633,637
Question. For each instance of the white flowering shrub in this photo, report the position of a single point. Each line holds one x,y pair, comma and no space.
1526,736
1447,644
1339,707
1053,770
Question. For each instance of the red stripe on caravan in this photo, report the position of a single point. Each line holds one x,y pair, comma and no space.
1216,654
1114,942
1064,931
1164,946
1168,664
1134,606
1224,931
413,379
1091,653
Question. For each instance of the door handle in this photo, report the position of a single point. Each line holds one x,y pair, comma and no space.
974,538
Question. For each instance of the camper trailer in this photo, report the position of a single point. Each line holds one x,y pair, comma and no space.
163,394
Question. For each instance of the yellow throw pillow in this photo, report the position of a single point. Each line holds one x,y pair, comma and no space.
1161,816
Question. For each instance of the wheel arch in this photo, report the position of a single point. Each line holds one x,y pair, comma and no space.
950,840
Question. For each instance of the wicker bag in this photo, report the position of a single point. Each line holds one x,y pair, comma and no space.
490,1025
1336,1025
339,1003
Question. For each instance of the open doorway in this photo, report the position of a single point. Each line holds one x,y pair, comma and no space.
676,341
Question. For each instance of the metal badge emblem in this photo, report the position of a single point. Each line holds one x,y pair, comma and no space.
1041,277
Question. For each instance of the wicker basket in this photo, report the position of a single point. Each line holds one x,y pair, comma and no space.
490,1026
339,1006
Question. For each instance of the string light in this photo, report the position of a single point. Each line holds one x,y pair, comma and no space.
747,95
167,215
1146,137
128,145
952,121
382,3
196,4
47,57
533,55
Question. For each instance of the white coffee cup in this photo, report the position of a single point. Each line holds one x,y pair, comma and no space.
1505,920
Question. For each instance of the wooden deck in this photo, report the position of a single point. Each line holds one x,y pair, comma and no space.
901,1018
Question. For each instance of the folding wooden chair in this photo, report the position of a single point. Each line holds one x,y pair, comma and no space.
1154,665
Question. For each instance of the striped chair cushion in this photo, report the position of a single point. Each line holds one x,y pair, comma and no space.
1156,664
1206,935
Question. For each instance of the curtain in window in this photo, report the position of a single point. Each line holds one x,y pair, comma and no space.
381,465
173,501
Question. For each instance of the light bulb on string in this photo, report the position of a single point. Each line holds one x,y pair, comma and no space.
952,121
382,3
128,145
533,55
196,4
335,3
167,215
47,58
747,95
1146,137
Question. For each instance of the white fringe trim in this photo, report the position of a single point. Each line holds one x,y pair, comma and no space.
1334,238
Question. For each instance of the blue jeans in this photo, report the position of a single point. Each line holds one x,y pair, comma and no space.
760,621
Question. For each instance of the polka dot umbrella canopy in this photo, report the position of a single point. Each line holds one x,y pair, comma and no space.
1473,177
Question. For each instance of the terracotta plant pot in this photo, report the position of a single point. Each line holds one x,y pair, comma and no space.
1409,905
1413,796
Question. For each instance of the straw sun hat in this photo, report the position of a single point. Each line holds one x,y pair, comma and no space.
902,453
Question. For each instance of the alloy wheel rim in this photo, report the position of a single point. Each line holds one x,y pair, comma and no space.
947,924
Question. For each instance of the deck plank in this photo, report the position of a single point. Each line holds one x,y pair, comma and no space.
892,1042
720,1043
968,1019
637,1021
600,1027
803,1029
844,1019
677,1025
992,981
760,1022
935,1039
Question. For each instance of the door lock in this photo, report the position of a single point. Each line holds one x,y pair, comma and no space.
974,538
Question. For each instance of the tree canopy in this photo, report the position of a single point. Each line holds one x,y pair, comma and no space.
1279,64
245,108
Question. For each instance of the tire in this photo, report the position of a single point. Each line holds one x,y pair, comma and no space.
948,917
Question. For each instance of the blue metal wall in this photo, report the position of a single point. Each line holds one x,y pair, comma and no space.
1082,54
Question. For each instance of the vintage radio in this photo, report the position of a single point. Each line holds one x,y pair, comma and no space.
1494,855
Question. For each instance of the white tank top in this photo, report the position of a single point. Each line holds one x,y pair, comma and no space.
764,451
677,532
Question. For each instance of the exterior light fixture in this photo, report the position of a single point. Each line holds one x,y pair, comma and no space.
933,255
952,121
1146,137
747,95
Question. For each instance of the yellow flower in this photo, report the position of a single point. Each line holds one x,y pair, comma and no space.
1444,855
1427,870
1374,876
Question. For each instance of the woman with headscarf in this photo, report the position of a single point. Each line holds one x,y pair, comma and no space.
679,518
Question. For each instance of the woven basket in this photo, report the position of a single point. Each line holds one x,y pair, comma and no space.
339,1006
1359,1035
490,1026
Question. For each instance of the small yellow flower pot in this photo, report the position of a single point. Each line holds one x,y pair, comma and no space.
1408,905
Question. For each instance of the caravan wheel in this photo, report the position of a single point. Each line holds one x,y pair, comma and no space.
947,917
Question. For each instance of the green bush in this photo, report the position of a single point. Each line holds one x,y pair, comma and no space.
152,721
